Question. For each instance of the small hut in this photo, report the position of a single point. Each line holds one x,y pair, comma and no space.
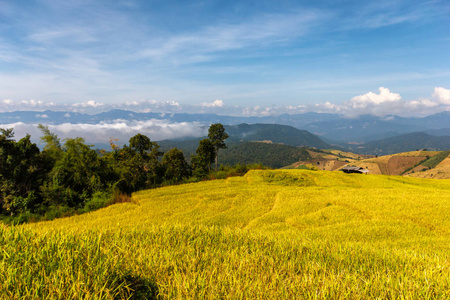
354,170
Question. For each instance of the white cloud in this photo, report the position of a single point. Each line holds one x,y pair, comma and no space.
421,103
442,95
327,107
370,98
261,30
215,103
43,116
121,129
90,103
389,103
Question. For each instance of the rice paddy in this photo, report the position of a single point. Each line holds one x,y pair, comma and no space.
285,234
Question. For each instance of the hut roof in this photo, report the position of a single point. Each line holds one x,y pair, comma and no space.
350,169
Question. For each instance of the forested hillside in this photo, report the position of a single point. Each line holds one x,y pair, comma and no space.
270,155
404,143
275,133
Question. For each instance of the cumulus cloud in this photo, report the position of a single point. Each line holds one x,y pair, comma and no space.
215,103
381,103
257,111
372,99
390,103
327,107
90,103
442,95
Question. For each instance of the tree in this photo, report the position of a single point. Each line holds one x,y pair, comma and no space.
137,164
205,155
140,143
176,167
21,172
76,175
217,136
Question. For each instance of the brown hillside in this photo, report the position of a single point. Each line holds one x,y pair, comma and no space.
407,163
441,171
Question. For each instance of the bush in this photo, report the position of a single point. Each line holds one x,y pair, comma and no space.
98,200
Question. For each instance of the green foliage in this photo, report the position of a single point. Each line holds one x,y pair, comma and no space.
276,133
203,158
435,160
271,155
217,136
69,178
20,174
175,165
137,166
288,179
235,170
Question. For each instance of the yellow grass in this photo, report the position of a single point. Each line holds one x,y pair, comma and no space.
286,234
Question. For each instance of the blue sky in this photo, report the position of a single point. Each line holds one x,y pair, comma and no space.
236,57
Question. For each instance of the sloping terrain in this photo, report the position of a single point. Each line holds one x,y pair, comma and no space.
269,154
286,234
281,134
329,160
424,164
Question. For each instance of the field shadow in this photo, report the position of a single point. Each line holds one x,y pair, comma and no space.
135,287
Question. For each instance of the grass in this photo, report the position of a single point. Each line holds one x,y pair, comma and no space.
287,234
435,160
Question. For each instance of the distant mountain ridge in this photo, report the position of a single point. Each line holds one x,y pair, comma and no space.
404,143
276,133
362,134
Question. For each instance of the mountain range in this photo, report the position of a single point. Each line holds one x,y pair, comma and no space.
362,134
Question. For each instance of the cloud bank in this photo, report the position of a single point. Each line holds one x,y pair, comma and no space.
381,103
120,129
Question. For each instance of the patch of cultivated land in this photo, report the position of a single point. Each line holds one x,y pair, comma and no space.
441,171
285,234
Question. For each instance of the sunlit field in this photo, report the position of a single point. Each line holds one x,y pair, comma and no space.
286,234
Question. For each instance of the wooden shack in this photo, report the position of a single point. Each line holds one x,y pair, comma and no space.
350,169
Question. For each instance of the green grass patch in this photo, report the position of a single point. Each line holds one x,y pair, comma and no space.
435,160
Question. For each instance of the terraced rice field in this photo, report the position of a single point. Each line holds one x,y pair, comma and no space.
286,234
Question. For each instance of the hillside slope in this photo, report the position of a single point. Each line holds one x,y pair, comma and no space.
275,133
270,234
404,143
424,164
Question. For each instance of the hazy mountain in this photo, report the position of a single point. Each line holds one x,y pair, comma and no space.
403,143
333,128
281,134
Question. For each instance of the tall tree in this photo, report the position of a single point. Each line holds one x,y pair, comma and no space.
20,173
176,167
203,158
137,164
217,136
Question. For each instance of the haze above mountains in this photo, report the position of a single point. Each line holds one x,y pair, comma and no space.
363,134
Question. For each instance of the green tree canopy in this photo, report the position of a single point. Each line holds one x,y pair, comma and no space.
176,167
203,158
217,136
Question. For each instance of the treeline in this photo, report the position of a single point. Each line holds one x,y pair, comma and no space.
270,155
69,177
